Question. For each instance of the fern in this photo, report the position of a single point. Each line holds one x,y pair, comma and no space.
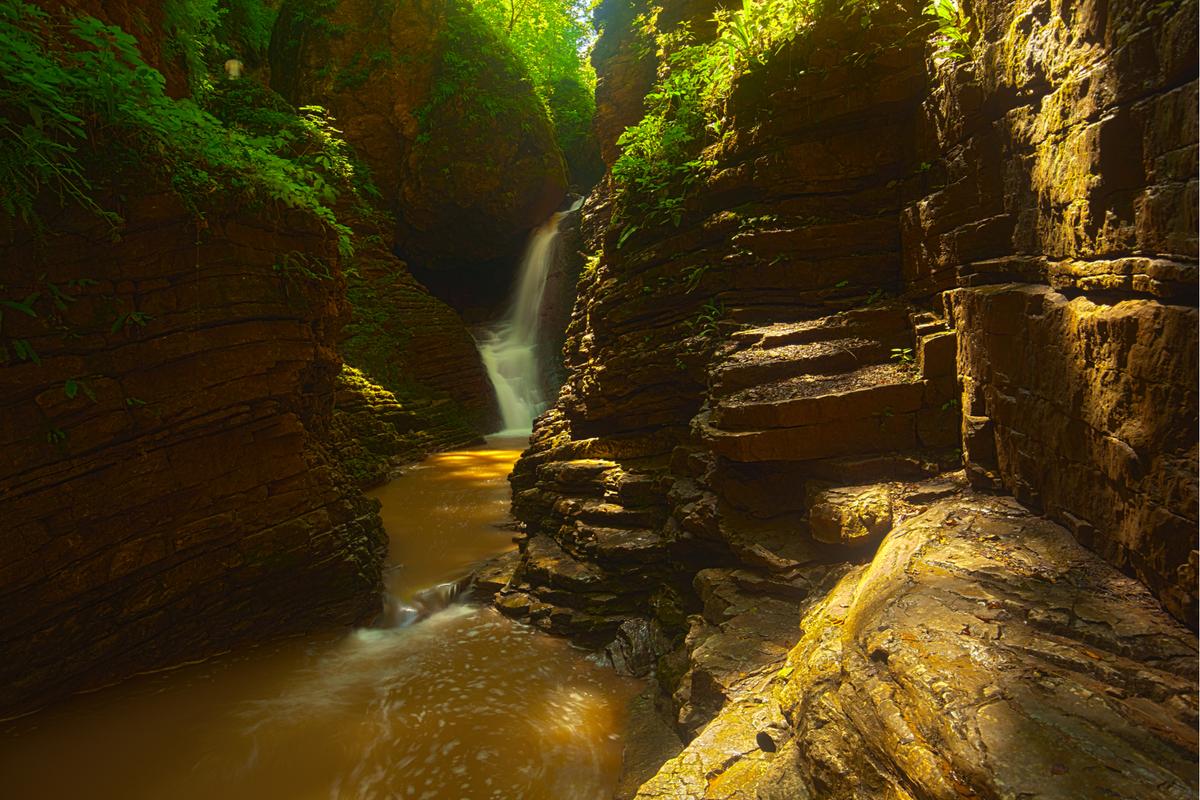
82,94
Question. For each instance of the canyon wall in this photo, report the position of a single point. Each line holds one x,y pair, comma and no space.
459,146
1061,213
903,282
166,494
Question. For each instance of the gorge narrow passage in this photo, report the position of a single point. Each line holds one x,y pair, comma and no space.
463,703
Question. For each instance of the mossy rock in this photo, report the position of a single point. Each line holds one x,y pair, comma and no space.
441,111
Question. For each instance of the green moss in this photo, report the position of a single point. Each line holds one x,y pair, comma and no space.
377,341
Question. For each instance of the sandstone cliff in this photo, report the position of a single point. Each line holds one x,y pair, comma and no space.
456,141
165,491
901,274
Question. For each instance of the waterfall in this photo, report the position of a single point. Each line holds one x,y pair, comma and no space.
509,348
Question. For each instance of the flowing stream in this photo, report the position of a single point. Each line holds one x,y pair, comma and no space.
509,349
461,704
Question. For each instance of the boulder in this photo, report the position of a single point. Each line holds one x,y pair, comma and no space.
982,653
851,515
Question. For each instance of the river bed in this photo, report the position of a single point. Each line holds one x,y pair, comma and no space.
462,704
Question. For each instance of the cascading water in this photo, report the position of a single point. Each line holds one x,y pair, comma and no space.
509,348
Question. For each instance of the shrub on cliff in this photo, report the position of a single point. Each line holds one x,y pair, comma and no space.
80,111
551,39
662,156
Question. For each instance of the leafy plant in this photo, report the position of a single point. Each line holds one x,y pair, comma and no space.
188,26
80,93
73,386
692,278
243,30
902,355
950,30
707,321
551,40
663,157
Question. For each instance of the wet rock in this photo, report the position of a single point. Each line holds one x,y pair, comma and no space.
851,515
371,433
191,505
637,647
1118,458
416,347
1034,666
497,574
650,741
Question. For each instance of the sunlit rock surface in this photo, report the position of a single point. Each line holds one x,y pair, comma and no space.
981,653
903,277
1065,159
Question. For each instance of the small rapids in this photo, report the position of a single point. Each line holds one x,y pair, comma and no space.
444,699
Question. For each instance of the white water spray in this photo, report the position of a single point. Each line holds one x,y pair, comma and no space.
509,348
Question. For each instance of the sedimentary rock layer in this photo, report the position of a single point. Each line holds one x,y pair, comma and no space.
904,273
164,489
982,653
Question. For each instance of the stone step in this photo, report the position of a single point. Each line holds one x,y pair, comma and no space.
582,476
603,513
634,489
587,628
755,366
616,546
875,390
547,563
875,409
886,323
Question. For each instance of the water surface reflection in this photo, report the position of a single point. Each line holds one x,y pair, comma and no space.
464,704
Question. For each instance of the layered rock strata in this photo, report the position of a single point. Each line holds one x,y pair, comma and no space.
982,653
750,484
1060,211
165,491
417,348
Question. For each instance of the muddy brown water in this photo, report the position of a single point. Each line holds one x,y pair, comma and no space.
462,704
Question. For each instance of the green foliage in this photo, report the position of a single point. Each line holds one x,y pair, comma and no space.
81,94
707,321
950,30
902,355
551,39
474,76
243,30
189,27
663,156
660,156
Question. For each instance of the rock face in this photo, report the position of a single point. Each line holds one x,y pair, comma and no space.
1087,410
982,653
1065,160
144,20
625,72
374,434
417,348
165,491
902,278
456,140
